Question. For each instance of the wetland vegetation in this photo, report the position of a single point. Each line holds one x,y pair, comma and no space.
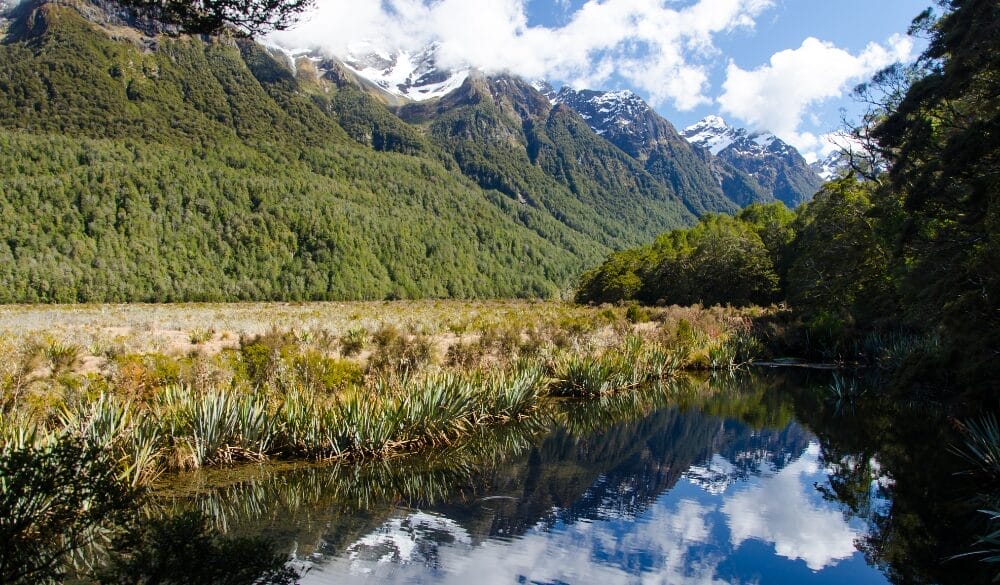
355,388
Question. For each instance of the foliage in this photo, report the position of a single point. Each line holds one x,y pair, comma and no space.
210,171
185,548
248,17
841,259
55,498
942,141
721,260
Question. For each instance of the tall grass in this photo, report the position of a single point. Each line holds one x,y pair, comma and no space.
980,448
185,428
355,389
634,363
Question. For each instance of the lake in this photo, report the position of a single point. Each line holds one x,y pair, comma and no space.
749,478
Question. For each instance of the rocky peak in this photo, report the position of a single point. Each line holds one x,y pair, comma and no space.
413,75
607,111
774,164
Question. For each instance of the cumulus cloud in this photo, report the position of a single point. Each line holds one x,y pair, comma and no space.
777,96
656,46
778,510
669,535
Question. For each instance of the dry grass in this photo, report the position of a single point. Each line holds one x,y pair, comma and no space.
251,381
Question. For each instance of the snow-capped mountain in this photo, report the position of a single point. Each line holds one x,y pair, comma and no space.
831,166
711,133
627,121
776,165
411,75
716,136
738,168
615,111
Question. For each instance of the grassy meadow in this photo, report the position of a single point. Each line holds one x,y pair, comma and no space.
172,387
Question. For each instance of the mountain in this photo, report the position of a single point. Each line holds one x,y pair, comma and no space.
831,166
509,137
775,165
628,122
414,76
139,166
138,163
701,182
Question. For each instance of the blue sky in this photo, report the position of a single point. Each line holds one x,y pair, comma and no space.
782,65
850,25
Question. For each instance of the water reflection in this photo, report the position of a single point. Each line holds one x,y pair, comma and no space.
708,481
782,509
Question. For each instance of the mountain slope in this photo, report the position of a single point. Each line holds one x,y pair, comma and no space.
702,182
507,136
775,165
624,119
137,167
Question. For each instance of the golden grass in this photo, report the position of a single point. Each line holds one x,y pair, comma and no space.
228,382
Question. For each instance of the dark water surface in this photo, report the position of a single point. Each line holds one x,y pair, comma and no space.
747,479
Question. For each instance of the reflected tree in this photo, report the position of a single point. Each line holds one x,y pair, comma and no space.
186,549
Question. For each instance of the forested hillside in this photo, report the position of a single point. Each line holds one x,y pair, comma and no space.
141,167
507,136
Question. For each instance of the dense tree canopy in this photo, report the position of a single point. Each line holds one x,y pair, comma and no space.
943,145
248,17
721,260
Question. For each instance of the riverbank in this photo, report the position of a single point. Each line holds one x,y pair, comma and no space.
171,387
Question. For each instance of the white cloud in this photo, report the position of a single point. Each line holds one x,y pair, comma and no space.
654,45
777,96
779,511
666,534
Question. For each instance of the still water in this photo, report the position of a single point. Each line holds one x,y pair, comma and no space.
712,481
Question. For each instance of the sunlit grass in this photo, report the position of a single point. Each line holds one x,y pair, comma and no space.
165,388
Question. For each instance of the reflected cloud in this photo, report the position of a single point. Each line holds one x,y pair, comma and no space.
782,509
607,552
674,539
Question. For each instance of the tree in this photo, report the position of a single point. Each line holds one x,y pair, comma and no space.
246,17
841,261
943,145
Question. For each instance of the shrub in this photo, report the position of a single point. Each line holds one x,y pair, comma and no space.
398,353
201,335
62,356
636,314
353,342
326,374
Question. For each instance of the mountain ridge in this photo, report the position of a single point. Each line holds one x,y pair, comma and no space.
774,164
712,183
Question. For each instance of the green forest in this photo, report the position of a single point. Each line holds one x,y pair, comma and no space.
160,169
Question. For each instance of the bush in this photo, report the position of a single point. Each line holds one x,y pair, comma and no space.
352,343
326,374
636,314
398,353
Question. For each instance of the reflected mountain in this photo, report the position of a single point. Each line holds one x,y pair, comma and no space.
656,483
